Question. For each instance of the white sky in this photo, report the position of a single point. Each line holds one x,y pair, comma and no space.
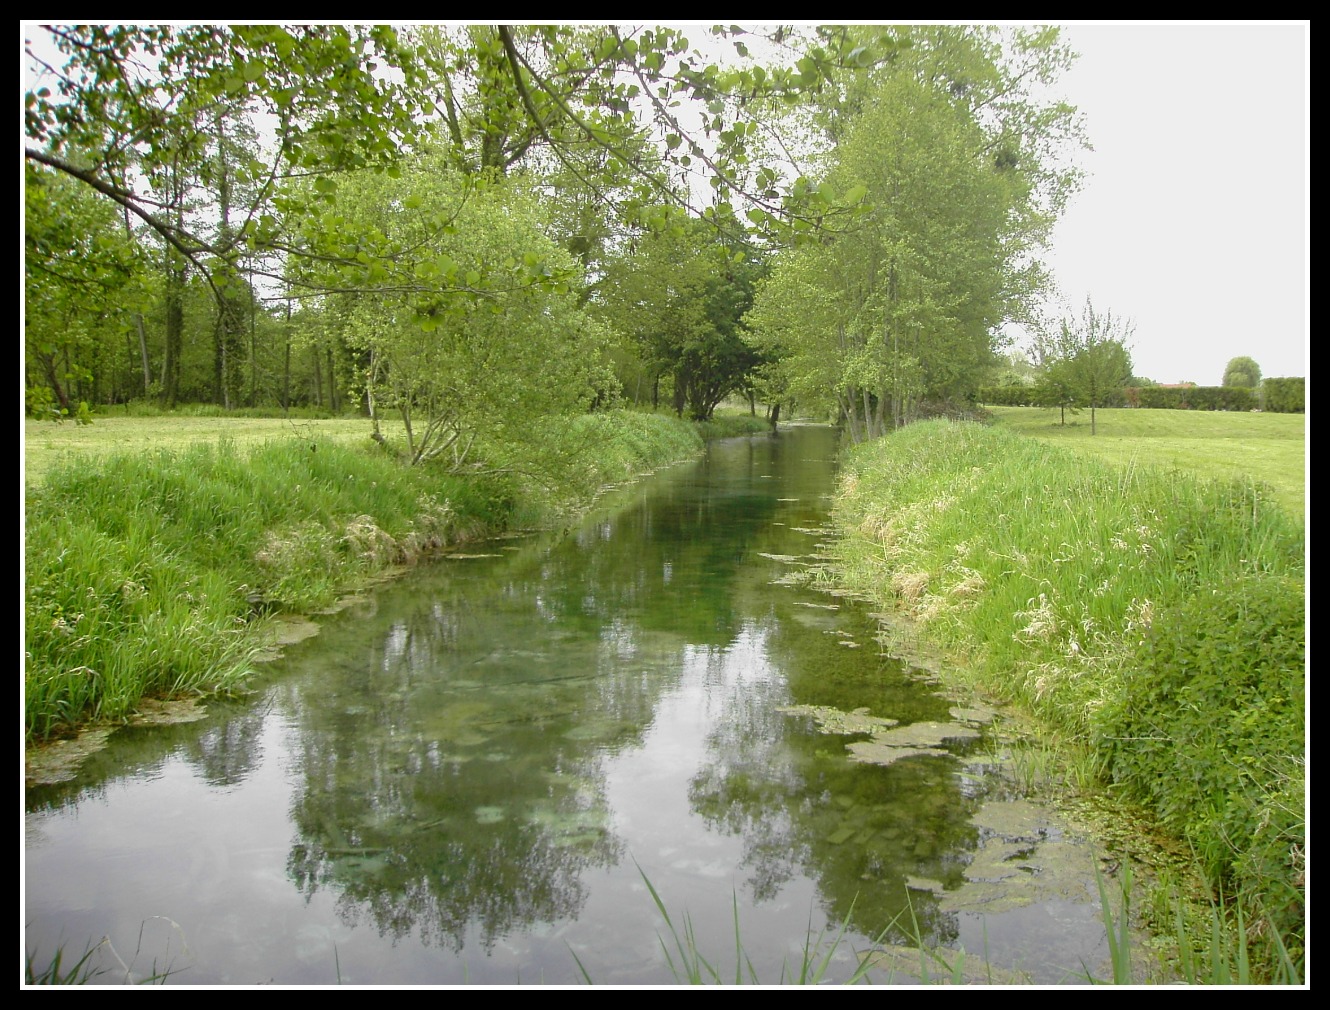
1194,220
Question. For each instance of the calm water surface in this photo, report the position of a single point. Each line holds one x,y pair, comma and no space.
468,774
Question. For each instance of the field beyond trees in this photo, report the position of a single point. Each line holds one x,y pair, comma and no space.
1269,448
47,444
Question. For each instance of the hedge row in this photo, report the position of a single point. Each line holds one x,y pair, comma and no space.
1281,396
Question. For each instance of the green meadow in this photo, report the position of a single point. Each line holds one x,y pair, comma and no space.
1270,448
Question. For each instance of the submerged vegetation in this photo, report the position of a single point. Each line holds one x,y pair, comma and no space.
1156,616
150,573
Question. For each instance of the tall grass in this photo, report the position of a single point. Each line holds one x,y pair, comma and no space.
729,425
101,963
147,573
1075,588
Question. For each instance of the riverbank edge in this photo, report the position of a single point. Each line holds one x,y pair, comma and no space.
155,575
915,513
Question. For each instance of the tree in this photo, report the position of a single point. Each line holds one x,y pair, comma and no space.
82,282
1087,355
476,369
955,166
1242,372
129,99
150,119
679,297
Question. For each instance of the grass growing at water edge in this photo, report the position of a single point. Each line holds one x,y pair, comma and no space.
1098,597
149,573
92,968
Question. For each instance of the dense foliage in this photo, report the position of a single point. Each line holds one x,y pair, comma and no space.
1242,371
679,297
1284,395
299,204
1209,732
960,170
1048,394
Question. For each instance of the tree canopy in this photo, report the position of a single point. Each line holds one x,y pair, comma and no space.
131,103
345,194
957,168
678,296
1243,372
1087,355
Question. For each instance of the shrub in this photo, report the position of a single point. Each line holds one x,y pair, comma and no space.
1284,396
1210,732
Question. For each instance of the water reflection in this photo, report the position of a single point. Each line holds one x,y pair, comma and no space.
478,759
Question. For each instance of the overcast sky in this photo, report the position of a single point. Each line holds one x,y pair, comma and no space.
1194,218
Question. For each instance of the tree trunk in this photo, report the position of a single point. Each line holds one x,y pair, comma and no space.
848,408
53,378
230,330
175,323
253,348
286,360
333,401
318,378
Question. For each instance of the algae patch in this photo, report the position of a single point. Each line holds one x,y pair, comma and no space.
155,712
887,741
60,761
1024,856
833,720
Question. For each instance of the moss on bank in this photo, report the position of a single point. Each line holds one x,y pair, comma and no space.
147,574
1156,617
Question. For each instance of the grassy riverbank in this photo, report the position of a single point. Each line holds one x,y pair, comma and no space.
1155,616
148,572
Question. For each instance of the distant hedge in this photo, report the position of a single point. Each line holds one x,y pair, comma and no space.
1281,396
1285,396
1198,398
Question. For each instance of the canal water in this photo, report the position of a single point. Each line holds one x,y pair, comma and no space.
478,774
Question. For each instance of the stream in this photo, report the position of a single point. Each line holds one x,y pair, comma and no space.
480,772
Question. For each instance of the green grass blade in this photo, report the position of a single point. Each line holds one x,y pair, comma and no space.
586,975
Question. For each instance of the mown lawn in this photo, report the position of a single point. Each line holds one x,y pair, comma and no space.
45,442
1270,448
